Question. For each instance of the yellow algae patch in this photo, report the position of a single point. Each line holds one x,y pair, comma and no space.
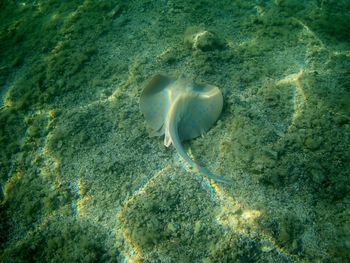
133,252
7,101
249,216
310,32
232,213
11,183
82,190
52,163
132,78
81,205
149,183
242,220
300,98
83,198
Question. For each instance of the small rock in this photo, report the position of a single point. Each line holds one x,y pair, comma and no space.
171,227
318,175
200,39
197,227
267,246
312,143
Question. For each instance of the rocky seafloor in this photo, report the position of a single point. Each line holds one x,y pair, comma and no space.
81,180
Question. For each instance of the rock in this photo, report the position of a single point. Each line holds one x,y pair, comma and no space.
200,39
197,227
171,228
313,143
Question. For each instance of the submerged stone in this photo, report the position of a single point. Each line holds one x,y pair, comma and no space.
197,38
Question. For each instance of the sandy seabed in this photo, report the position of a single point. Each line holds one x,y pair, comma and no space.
81,180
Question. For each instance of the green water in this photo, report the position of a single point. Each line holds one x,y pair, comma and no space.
81,180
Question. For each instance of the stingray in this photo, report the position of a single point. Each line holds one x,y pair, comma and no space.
181,110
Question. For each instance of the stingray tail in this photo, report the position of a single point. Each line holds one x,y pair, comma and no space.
217,178
172,137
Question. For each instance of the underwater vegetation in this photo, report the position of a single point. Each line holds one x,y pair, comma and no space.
81,180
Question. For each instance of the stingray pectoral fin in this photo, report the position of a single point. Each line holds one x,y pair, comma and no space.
203,111
154,102
154,133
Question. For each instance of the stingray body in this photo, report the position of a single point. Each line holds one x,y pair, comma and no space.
181,110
